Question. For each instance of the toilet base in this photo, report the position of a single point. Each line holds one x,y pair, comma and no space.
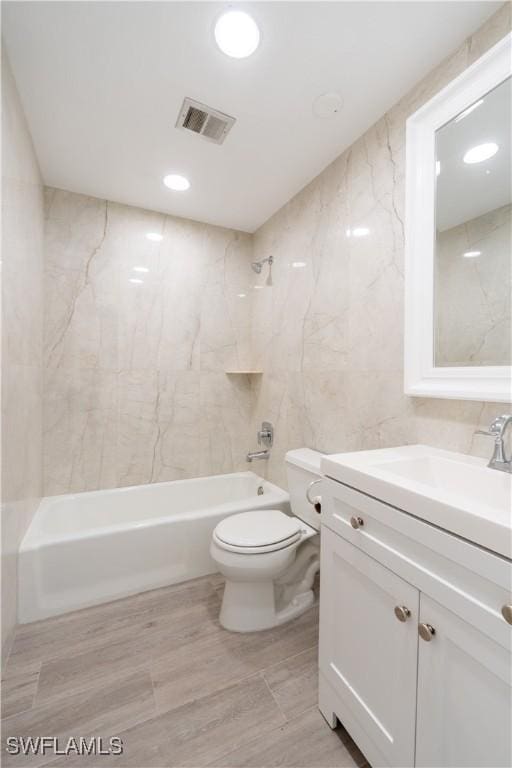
250,607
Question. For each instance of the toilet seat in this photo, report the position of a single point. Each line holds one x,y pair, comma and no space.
257,531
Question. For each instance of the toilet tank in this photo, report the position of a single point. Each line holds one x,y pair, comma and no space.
302,467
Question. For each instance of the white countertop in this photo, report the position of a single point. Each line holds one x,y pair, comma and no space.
456,492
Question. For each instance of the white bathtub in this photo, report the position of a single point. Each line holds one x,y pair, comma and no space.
88,548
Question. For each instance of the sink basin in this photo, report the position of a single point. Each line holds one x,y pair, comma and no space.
451,490
476,483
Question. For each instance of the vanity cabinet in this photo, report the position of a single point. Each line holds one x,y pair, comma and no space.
415,655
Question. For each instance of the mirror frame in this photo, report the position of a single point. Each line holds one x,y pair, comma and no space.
421,377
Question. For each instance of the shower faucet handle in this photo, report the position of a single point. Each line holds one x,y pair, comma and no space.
266,434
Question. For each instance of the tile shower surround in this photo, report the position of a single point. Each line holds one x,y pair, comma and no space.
135,389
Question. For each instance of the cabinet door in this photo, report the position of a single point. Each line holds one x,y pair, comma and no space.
367,654
464,697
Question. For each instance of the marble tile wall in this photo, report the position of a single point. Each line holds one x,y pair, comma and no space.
473,295
22,321
135,384
329,333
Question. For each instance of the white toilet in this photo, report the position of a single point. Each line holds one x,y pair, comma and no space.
268,558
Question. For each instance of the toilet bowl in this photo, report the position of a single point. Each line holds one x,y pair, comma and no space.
268,558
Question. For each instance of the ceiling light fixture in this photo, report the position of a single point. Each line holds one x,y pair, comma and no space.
241,295
176,182
140,269
136,280
360,231
468,111
298,264
237,34
154,237
472,254
480,153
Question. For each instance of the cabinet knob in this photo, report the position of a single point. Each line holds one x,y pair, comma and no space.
402,612
506,612
426,632
356,522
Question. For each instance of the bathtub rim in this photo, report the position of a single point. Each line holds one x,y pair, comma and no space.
35,538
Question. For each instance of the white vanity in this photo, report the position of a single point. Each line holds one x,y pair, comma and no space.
416,606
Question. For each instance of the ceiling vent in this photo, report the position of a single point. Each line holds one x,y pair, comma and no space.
205,121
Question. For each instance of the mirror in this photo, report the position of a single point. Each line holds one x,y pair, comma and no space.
458,237
472,266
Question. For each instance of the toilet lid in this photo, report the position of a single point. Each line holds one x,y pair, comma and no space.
258,528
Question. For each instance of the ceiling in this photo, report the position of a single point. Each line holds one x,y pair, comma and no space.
102,84
467,191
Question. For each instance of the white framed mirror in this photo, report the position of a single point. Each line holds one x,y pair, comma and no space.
458,289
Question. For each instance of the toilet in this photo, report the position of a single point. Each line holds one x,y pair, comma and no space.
269,558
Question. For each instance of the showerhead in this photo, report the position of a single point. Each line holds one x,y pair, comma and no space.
257,266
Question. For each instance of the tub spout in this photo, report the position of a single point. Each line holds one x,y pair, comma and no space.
258,456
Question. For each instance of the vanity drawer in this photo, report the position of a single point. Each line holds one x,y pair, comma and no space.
471,581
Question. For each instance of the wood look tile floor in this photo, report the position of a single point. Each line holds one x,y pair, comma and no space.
158,671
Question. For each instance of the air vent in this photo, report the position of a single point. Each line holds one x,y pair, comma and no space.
195,119
205,121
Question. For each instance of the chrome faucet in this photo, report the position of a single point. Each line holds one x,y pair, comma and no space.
497,430
258,455
265,437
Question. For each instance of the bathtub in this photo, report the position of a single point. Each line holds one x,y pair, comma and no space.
88,548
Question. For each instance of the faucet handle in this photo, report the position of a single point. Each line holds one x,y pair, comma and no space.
486,432
497,426
500,423
266,434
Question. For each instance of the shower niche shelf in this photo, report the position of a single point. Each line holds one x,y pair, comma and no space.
243,372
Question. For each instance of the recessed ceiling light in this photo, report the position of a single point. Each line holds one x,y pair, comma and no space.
135,280
140,269
258,287
298,264
472,254
154,236
480,153
438,167
241,295
468,111
177,182
237,34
